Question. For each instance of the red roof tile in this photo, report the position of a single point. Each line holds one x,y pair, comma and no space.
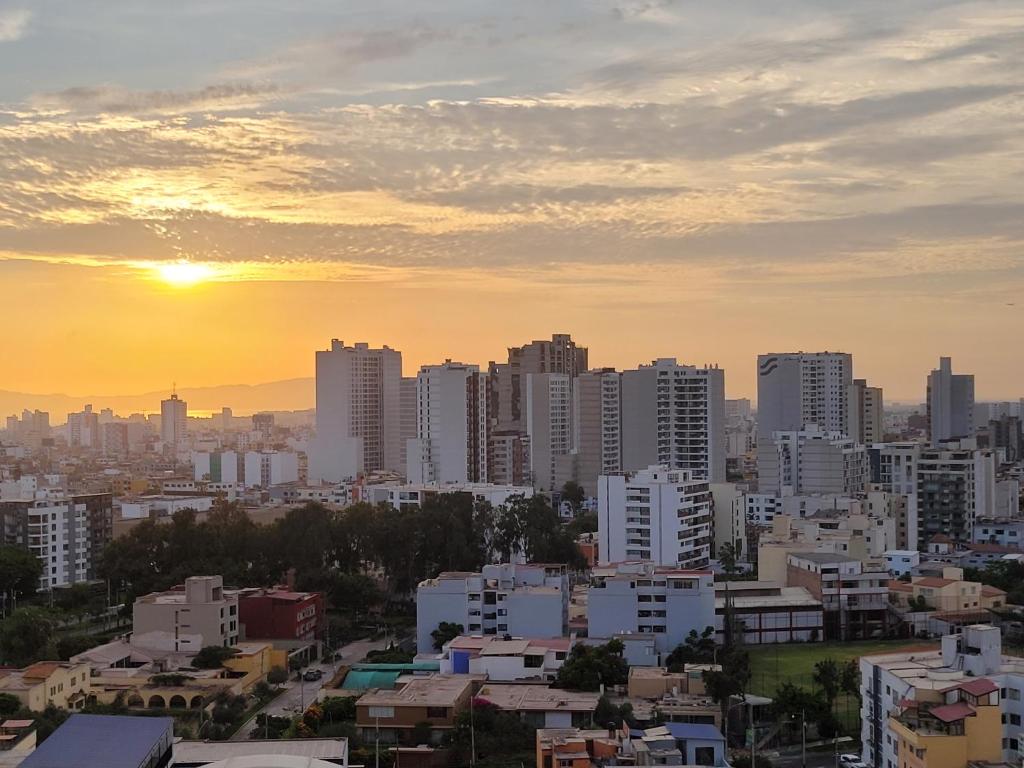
950,713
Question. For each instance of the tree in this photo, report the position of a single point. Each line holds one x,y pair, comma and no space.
849,677
727,557
27,636
353,593
9,704
584,522
277,676
446,631
695,649
573,493
212,657
19,574
590,667
731,680
829,678
792,701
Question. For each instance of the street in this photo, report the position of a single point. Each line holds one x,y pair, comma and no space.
790,757
298,694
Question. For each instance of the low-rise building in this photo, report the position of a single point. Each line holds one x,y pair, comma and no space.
414,494
901,561
63,684
541,706
950,592
767,612
391,715
106,741
856,601
505,660
657,682
280,614
187,618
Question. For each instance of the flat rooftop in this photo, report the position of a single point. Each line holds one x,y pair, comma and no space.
432,691
536,698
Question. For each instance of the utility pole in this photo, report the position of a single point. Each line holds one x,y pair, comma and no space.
472,729
753,737
803,739
376,746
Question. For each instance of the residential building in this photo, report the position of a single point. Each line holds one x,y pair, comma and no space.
83,429
391,716
948,593
501,660
63,684
597,427
811,461
263,425
656,514
795,389
453,426
1008,533
1007,433
674,415
407,414
955,487
866,418
856,601
106,741
266,468
767,612
508,459
115,439
901,561
576,747
414,495
540,706
950,404
66,532
893,469
507,599
187,618
548,419
358,412
216,466
143,507
173,423
648,599
280,614
729,526
657,682
948,707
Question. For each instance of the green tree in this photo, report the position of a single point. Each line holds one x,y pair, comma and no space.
573,493
277,676
828,676
212,657
589,667
27,636
849,677
731,680
9,704
695,649
727,558
19,575
446,632
421,733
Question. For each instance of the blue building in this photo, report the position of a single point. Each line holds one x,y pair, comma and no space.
106,741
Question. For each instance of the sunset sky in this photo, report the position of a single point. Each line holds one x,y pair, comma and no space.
701,180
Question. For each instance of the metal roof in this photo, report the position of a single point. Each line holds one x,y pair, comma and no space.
101,741
694,731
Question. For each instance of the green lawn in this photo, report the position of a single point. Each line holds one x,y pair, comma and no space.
774,664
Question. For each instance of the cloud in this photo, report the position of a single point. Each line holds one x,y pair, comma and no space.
13,24
117,100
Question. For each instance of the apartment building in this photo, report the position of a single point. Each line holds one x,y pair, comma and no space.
187,618
947,593
866,418
452,426
83,428
263,469
1008,533
414,495
66,532
645,598
358,412
950,400
855,600
674,415
597,427
501,660
173,423
955,486
63,684
508,459
655,514
948,708
391,716
767,612
795,389
729,526
280,614
811,461
517,600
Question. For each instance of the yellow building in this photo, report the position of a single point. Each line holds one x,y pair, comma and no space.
948,593
62,683
950,728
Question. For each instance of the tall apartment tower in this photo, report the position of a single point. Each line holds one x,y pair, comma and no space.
596,426
865,418
406,416
173,422
950,403
560,355
84,428
548,421
674,416
358,412
799,388
452,425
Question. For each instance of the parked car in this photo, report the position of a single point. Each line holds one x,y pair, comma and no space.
851,761
310,675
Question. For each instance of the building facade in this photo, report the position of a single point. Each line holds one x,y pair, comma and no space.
187,618
866,417
795,389
950,398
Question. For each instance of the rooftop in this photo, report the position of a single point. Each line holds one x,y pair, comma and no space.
432,691
527,698
101,741
186,751
823,558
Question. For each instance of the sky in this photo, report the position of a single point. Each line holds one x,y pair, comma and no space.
206,191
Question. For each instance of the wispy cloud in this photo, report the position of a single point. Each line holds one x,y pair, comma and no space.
13,24
116,100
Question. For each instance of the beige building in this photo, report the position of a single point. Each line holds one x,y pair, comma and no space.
188,617
866,416
946,593
64,684
437,700
656,682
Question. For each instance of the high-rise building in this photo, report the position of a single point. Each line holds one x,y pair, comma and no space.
956,484
1007,433
452,426
407,397
358,412
173,422
263,424
508,399
674,416
548,420
811,462
799,388
597,427
84,428
866,417
950,404
655,514
508,461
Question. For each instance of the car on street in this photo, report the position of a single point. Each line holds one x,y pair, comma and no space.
851,761
311,675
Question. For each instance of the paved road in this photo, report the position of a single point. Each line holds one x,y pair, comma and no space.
790,758
298,694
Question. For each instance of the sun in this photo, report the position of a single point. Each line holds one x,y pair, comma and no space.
183,273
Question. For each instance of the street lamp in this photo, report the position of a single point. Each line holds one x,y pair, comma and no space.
803,738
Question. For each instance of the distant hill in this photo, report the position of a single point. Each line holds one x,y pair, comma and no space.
243,399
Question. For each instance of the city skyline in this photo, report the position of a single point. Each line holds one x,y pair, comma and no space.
230,184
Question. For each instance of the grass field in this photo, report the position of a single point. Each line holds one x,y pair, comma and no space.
771,665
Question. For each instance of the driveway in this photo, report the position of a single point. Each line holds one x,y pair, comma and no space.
297,695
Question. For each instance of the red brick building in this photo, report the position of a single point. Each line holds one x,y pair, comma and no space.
280,614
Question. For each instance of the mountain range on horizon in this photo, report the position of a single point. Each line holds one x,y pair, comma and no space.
244,399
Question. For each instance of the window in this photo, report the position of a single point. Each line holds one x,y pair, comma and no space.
1014,719
704,755
438,713
1013,694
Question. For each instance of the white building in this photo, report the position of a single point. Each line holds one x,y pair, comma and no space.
656,514
1008,533
950,403
597,426
501,660
358,412
548,425
414,494
955,486
452,426
811,461
642,598
901,561
799,388
266,468
866,417
674,416
529,600
173,423
141,507
215,466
